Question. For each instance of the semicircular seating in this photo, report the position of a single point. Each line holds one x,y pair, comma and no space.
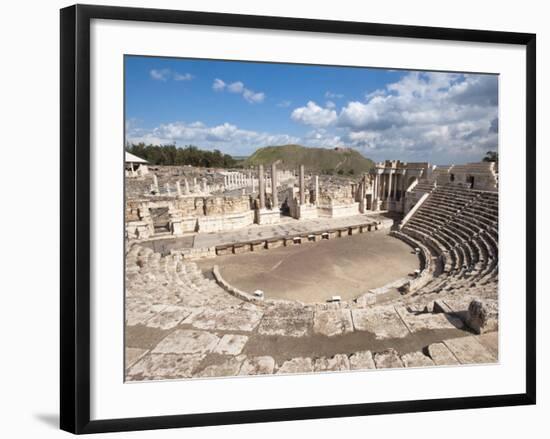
459,227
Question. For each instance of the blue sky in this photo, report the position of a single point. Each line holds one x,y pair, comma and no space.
238,107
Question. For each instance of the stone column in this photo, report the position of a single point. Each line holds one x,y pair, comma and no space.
204,186
317,190
302,185
178,188
186,184
395,188
262,186
275,195
156,183
390,186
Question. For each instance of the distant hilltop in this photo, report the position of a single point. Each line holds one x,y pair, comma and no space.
343,161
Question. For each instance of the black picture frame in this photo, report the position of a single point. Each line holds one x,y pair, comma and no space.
75,217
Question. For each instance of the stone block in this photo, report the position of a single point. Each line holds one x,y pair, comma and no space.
132,355
383,322
264,365
296,365
169,317
482,316
416,359
185,341
332,322
233,319
361,360
428,321
441,355
468,350
231,344
229,367
164,366
336,363
387,359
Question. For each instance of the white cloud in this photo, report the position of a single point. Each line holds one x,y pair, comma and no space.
330,104
235,87
218,85
253,97
314,115
166,74
182,76
160,75
284,104
449,116
238,87
227,137
331,95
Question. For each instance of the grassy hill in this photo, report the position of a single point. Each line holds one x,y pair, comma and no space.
344,161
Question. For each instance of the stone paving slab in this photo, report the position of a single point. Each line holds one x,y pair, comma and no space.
296,365
264,365
336,363
387,359
428,321
441,355
229,367
165,366
490,341
139,314
332,322
468,350
287,228
169,317
132,355
383,322
231,344
361,360
236,319
416,359
186,341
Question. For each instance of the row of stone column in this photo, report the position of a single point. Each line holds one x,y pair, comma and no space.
196,188
386,186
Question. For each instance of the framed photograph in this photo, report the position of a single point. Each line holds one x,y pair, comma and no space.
274,218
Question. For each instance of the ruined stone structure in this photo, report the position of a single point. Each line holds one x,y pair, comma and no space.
201,325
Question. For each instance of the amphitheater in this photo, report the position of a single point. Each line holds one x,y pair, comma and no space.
272,271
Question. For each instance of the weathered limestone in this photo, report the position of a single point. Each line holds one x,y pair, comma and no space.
185,341
383,322
316,190
132,355
261,186
231,344
302,185
165,366
169,317
239,319
428,321
332,322
482,316
336,363
296,365
287,321
416,359
468,350
441,355
178,188
275,196
264,365
361,360
229,367
387,359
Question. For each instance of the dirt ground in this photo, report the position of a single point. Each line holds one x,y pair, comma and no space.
314,271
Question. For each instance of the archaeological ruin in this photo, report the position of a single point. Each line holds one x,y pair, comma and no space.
270,270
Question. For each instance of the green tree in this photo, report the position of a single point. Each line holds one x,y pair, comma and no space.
491,156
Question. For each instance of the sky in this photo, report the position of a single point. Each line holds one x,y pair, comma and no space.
238,107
